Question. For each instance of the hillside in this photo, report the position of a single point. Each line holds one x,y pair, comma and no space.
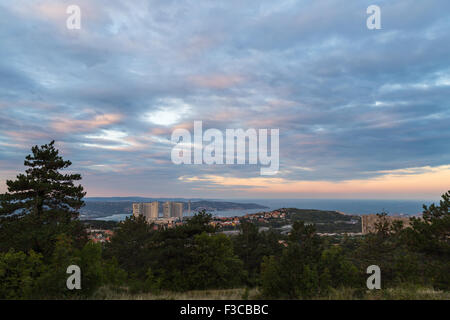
326,221
96,208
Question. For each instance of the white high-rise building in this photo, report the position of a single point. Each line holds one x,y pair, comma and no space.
149,210
152,210
138,209
172,209
177,209
167,209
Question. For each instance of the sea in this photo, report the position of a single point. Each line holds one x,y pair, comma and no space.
348,206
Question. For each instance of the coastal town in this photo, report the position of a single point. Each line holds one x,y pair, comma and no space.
328,223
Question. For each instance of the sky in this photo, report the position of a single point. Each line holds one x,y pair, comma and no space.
361,113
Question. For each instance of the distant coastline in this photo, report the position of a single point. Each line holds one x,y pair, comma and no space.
118,208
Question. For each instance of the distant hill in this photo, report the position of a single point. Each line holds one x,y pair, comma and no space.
326,221
313,215
103,207
134,199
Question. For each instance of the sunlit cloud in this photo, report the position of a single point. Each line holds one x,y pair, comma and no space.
81,125
413,171
105,168
169,112
110,135
217,81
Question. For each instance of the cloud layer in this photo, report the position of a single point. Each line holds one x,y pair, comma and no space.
354,106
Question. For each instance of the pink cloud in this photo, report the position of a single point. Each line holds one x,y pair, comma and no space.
76,125
216,81
24,135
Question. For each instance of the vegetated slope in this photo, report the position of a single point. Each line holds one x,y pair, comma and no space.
326,221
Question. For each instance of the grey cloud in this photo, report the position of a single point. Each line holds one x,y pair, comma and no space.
309,68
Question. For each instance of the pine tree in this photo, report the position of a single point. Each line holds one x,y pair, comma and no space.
41,204
431,234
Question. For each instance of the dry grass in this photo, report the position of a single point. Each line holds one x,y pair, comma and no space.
408,294
228,294
400,293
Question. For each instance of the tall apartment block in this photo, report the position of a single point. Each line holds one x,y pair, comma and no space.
172,209
138,209
167,209
149,210
177,209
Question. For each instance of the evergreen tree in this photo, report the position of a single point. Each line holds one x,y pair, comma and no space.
18,272
430,236
41,204
131,245
251,246
213,263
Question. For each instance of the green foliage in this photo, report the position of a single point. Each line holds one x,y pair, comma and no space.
272,282
199,223
186,257
95,272
305,268
387,249
91,264
18,272
112,274
101,224
152,283
26,276
252,246
431,234
418,254
337,269
52,282
429,238
326,221
214,263
130,245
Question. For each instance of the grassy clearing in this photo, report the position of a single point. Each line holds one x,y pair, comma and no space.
105,293
399,293
409,294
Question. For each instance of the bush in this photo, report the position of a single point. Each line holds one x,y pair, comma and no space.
18,272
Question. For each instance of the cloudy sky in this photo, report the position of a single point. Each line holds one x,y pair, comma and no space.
361,113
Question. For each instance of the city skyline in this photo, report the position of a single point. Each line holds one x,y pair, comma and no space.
362,114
